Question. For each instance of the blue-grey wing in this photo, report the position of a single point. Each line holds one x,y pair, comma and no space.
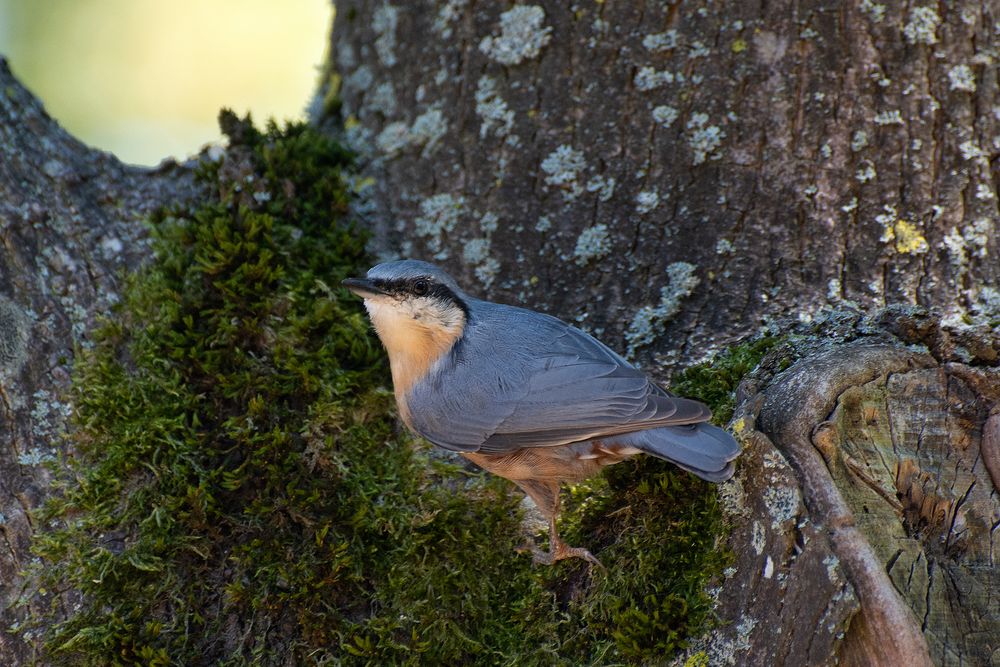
523,379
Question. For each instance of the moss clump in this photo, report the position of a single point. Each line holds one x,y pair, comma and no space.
241,493
658,531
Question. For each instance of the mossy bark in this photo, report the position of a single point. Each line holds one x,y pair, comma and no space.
70,223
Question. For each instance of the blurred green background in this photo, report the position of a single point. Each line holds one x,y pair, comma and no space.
145,79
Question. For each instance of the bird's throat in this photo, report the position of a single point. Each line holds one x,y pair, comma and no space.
413,346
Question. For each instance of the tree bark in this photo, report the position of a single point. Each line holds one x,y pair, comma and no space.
70,223
672,177
781,157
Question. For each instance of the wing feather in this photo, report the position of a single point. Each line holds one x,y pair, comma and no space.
522,379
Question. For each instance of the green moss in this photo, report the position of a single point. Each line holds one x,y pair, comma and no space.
657,530
715,382
241,493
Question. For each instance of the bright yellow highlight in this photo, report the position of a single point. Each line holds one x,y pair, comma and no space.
907,237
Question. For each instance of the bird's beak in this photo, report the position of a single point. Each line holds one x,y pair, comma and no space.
362,287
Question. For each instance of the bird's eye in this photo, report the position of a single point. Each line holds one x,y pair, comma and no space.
420,287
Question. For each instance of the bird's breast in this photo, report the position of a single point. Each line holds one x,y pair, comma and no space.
413,346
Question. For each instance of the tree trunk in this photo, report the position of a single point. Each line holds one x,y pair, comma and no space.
672,178
70,223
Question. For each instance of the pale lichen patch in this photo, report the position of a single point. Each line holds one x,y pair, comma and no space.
646,201
893,117
960,77
832,564
489,222
970,150
875,11
648,78
783,503
522,35
986,304
492,109
665,115
393,138
604,186
562,168
48,415
384,22
650,321
383,99
728,651
703,138
35,457
866,173
859,140
427,130
660,41
476,252
449,11
593,243
922,26
439,216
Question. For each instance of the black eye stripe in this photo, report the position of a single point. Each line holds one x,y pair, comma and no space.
406,286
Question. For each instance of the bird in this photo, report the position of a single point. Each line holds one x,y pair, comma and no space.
525,395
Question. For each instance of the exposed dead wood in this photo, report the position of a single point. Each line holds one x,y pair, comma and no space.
893,449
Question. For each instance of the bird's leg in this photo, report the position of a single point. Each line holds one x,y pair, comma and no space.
546,497
559,549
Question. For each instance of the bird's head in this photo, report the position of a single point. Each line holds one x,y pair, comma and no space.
411,293
418,311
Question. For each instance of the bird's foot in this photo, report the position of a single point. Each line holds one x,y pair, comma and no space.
559,551
563,550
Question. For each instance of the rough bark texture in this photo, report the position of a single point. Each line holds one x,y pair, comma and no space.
70,222
748,159
892,444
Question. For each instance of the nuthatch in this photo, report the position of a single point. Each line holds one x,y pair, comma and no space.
525,395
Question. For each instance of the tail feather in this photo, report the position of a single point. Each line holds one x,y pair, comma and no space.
702,449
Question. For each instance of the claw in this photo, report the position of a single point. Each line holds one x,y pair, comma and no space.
565,551
559,551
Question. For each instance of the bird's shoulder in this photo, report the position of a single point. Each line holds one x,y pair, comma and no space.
529,335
